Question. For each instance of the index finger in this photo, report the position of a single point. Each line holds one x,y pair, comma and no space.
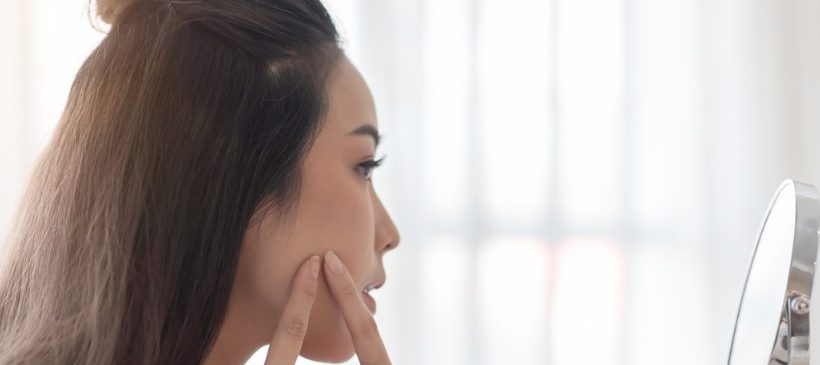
293,323
360,322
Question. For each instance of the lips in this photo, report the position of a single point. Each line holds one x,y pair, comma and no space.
369,301
374,285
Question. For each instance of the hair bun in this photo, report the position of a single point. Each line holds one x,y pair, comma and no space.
109,10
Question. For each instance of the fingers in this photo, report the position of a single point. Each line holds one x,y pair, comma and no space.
293,324
361,324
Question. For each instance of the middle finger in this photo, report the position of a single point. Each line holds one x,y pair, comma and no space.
360,322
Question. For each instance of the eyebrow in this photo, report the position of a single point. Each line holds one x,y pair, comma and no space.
368,130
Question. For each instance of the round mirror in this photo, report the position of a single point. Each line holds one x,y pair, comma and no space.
772,325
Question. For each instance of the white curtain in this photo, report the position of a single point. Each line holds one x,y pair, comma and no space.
575,181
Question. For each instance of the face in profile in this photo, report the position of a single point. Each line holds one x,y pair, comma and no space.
337,209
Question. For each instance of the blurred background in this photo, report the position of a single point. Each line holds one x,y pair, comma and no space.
576,181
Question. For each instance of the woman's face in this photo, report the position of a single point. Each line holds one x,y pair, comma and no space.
338,209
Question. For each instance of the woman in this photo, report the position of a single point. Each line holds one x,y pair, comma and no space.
208,152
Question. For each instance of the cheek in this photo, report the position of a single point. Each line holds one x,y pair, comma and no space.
345,215
263,276
338,215
328,339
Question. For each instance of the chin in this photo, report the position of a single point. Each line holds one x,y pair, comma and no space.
328,343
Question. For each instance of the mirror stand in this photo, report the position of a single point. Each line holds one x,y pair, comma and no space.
792,344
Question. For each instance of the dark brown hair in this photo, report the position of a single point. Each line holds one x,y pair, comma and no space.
190,118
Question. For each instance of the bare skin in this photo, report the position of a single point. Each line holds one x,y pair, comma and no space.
339,210
287,341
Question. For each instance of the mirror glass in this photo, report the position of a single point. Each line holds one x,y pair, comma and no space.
765,291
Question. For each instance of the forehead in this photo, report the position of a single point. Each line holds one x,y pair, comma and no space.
350,103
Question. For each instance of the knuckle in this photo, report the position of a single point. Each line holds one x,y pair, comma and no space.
310,291
349,291
368,327
296,328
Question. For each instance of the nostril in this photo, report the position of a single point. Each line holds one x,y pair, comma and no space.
390,245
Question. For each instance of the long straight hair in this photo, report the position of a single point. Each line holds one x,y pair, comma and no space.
190,118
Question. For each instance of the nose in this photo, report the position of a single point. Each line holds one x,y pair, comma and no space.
387,235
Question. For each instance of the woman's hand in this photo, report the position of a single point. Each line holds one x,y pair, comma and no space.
360,322
290,332
287,340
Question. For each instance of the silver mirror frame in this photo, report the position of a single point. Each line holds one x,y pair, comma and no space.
792,340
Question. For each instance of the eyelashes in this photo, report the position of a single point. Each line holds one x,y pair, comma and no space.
366,168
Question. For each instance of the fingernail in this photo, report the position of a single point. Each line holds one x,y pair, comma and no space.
333,261
314,266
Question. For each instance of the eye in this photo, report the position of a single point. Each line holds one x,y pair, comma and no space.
366,168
